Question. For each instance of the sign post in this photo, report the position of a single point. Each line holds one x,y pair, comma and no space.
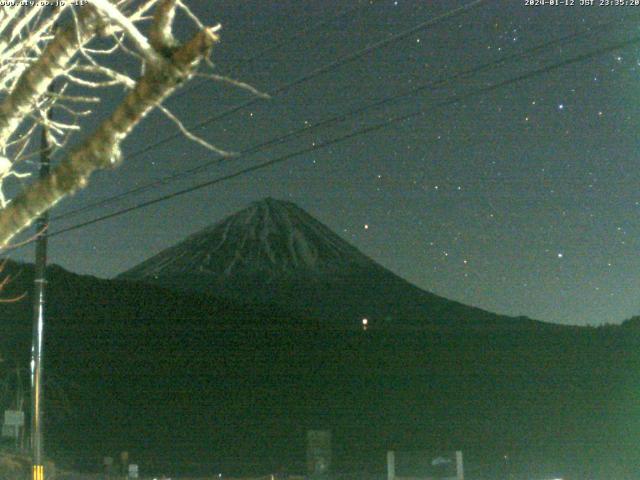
13,423
459,466
391,465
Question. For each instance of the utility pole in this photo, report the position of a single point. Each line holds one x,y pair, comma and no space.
19,434
37,342
20,408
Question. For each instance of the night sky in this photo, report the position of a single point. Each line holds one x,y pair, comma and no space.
521,200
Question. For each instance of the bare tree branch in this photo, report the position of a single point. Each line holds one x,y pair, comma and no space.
48,45
35,80
161,34
138,39
235,83
192,136
102,149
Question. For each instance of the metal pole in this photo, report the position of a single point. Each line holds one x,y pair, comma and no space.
20,406
37,343
459,465
391,465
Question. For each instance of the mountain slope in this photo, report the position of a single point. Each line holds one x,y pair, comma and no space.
174,376
271,238
275,252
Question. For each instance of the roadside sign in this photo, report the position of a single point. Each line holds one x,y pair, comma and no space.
133,470
14,418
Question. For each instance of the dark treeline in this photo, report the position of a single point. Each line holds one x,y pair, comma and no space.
208,384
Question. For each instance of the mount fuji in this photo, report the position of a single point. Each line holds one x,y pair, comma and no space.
273,252
163,364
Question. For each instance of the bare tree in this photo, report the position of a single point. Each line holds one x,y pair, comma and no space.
72,45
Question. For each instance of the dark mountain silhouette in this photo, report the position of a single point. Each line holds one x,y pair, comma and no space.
188,382
274,252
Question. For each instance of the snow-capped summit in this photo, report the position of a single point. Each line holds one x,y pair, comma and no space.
274,252
270,238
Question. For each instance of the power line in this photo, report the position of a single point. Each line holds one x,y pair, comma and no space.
362,131
287,39
319,71
341,117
